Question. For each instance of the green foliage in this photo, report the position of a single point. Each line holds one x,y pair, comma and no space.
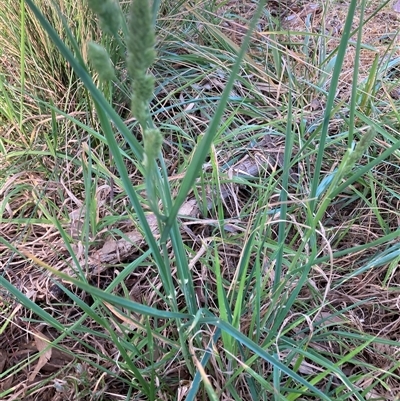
242,294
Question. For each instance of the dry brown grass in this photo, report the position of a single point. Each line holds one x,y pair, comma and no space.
370,300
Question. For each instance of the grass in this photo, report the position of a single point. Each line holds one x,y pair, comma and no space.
254,258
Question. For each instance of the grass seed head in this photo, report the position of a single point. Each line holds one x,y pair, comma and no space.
141,55
143,87
152,143
101,62
139,110
141,38
361,147
109,14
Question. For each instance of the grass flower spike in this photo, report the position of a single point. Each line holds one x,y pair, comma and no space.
101,62
152,144
109,14
361,147
141,55
142,38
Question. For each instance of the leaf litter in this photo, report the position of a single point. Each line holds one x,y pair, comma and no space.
375,315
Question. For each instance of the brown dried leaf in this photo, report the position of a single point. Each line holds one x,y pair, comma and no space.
315,104
58,360
306,368
307,10
116,250
42,345
7,383
330,319
395,93
189,208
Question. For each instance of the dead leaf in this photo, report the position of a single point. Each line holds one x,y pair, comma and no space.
189,208
304,366
395,93
327,318
58,360
42,345
308,9
115,250
315,104
7,383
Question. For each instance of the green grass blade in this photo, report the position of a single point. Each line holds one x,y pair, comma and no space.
284,196
261,353
112,299
22,66
330,101
88,82
30,305
203,147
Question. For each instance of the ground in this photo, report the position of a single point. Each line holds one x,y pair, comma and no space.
64,207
